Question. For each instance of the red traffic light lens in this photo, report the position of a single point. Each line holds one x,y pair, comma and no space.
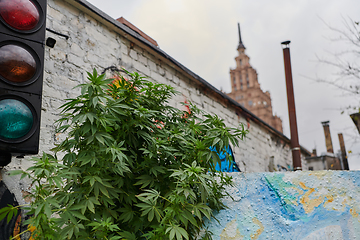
16,119
19,14
16,63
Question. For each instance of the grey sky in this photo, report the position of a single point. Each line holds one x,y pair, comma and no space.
202,35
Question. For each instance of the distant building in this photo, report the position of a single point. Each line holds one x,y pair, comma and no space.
328,160
245,89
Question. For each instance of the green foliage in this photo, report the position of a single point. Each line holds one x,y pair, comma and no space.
132,166
8,211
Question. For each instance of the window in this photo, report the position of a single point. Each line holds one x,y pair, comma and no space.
247,81
250,103
239,97
240,62
311,168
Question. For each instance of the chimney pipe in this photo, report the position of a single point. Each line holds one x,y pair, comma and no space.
343,152
295,146
314,153
329,146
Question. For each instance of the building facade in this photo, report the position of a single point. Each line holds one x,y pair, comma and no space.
245,89
326,161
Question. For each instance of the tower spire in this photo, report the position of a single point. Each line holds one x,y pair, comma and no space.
241,45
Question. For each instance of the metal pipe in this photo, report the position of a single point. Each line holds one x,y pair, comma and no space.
328,141
295,146
57,33
343,152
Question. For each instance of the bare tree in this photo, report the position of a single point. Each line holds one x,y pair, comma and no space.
345,63
344,68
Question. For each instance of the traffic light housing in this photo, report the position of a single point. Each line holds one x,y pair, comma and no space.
22,38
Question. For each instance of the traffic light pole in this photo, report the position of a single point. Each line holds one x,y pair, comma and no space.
5,158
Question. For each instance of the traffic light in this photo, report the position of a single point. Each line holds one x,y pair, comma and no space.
22,37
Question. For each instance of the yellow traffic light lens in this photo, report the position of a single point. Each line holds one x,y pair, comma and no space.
16,63
16,119
19,14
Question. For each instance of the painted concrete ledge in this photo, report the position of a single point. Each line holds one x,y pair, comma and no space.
291,205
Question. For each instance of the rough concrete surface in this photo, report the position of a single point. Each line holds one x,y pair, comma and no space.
292,205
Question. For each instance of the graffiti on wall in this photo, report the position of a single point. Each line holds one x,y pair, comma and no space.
227,158
293,205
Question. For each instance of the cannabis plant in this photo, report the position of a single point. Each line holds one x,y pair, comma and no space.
133,167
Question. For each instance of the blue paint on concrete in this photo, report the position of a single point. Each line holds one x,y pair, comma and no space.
291,205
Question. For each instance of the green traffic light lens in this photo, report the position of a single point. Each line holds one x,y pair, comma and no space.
16,119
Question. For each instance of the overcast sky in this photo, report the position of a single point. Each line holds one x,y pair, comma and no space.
203,36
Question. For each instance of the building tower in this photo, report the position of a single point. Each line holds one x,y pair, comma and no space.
245,89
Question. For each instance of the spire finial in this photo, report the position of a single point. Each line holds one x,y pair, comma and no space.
241,45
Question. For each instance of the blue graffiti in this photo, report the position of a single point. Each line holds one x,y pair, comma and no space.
228,163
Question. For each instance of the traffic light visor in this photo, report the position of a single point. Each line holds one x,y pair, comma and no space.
17,119
22,15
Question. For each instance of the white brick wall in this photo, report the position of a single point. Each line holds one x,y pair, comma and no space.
93,45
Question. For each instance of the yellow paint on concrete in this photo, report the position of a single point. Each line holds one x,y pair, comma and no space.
303,186
259,231
319,174
226,235
301,192
298,190
353,212
329,198
308,203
